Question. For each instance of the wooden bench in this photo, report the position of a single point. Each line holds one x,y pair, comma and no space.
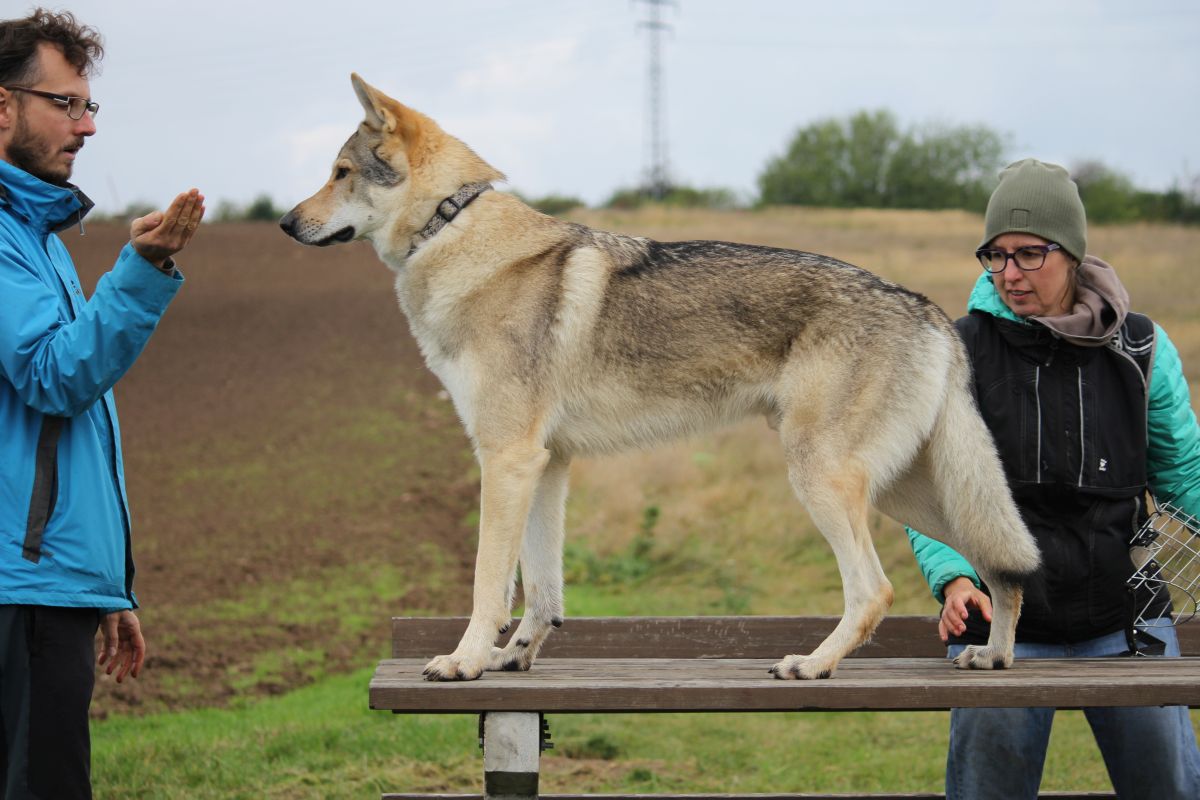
720,664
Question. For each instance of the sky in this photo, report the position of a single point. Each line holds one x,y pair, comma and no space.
245,98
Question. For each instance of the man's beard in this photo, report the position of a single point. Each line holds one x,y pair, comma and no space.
36,156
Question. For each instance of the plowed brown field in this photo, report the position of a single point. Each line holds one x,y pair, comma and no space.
280,431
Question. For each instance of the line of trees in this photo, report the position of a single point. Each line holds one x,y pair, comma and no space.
261,209
866,160
1110,196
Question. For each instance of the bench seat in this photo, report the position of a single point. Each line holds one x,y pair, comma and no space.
707,664
725,684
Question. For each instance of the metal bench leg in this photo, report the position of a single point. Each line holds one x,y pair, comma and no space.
511,754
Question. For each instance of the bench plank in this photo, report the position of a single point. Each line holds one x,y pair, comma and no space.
898,636
679,637
806,796
720,684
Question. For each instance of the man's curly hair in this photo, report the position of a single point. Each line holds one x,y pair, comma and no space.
81,45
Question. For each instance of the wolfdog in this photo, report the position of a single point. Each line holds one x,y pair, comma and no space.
555,340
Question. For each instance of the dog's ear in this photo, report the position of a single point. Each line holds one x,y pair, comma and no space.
378,114
388,115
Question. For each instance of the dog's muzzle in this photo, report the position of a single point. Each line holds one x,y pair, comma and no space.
294,227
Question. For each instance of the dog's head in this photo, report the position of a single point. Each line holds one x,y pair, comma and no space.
388,178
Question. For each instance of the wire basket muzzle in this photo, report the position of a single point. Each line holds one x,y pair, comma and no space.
1166,558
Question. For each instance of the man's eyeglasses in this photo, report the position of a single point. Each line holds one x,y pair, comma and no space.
1028,258
74,106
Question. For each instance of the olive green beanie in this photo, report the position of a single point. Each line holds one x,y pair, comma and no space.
1038,198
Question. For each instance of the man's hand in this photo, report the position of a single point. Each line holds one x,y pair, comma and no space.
960,595
124,648
160,235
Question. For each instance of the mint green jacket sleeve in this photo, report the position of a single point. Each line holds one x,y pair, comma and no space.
1173,437
940,563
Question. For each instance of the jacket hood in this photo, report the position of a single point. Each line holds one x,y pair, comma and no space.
1101,304
43,205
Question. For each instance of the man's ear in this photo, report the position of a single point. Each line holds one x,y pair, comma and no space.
7,110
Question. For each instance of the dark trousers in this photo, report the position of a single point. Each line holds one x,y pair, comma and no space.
47,673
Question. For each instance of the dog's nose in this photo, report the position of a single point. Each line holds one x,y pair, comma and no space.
288,223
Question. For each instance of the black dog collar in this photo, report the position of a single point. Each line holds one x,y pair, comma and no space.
447,210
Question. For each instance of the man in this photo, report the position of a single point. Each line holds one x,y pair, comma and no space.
65,558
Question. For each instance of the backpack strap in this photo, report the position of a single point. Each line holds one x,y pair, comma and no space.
1136,338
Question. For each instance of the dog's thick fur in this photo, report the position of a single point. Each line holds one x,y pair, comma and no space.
555,340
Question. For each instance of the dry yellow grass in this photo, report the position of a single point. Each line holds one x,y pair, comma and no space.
724,499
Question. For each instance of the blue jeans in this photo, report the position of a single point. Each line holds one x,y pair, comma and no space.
1000,752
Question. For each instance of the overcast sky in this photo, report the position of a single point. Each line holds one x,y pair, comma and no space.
241,98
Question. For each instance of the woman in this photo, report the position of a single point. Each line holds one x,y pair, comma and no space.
1089,409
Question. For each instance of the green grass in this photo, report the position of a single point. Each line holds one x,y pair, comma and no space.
318,742
278,635
322,742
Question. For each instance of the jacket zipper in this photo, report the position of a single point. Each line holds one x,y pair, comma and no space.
1037,396
1082,432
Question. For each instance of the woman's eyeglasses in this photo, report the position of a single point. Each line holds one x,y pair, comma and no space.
1027,258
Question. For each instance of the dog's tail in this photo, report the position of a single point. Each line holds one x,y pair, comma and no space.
974,491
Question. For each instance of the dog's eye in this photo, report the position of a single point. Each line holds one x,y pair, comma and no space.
341,173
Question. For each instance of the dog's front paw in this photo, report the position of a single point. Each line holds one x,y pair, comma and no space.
977,656
452,668
805,668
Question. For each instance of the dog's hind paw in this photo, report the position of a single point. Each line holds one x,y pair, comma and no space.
516,656
804,668
451,668
977,656
510,659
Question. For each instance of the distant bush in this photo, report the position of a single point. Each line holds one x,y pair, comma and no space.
1174,205
712,197
138,208
867,161
555,204
1107,195
627,199
1110,196
936,166
261,209
679,196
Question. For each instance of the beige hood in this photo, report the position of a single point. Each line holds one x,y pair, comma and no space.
1101,303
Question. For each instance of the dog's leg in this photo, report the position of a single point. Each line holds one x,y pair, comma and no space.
837,503
508,478
998,652
986,526
541,570
955,491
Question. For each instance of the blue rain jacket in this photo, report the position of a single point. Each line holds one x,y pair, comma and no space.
64,516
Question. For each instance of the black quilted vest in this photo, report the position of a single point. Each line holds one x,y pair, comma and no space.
1069,423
